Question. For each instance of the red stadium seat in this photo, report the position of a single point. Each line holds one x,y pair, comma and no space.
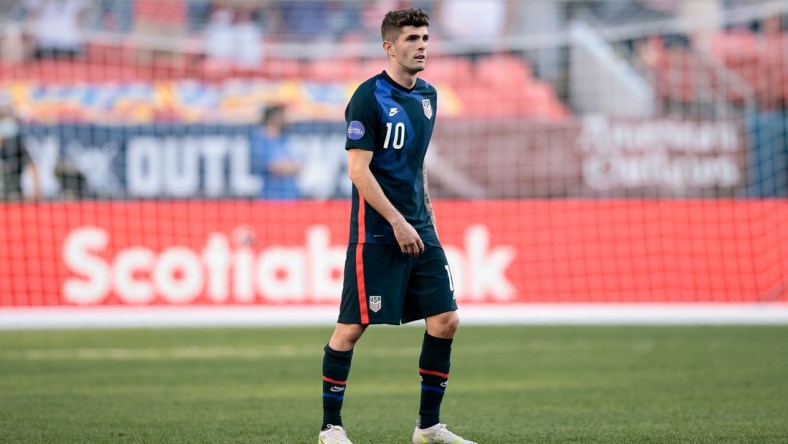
532,100
735,48
170,11
758,60
502,70
370,67
451,70
332,70
276,68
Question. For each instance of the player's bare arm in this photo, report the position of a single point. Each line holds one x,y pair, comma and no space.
427,201
358,169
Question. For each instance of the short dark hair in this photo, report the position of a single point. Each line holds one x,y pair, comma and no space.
396,20
270,112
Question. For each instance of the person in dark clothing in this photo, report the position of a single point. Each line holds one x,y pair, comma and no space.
15,160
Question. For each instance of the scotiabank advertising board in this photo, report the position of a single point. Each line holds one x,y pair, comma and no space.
243,252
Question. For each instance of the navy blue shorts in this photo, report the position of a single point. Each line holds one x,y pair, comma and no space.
384,286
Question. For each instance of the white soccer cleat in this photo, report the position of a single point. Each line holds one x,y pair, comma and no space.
437,434
333,435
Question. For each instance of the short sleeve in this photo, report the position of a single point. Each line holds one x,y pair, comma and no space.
361,117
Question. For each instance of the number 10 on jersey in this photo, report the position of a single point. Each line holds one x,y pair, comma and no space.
399,136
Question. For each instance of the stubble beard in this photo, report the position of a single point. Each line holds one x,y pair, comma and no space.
417,68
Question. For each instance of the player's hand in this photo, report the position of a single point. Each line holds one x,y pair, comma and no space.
408,239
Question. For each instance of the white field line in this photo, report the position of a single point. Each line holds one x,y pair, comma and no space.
470,314
201,353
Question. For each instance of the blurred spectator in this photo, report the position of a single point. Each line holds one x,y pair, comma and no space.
343,16
768,156
768,126
116,16
531,19
159,28
12,10
220,36
198,13
15,160
704,18
73,183
56,27
233,40
12,31
248,38
272,156
477,22
12,43
310,20
371,12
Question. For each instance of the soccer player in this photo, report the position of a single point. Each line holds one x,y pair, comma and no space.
395,270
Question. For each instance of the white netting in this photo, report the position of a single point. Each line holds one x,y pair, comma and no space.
585,151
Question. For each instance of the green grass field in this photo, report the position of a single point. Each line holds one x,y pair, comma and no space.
508,385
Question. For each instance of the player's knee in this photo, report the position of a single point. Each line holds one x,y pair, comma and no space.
443,325
345,336
452,323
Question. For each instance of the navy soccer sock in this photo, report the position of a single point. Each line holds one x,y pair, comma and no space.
336,367
434,365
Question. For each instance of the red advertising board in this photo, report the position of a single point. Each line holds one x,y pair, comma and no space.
229,253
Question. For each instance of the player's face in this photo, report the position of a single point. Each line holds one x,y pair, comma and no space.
410,49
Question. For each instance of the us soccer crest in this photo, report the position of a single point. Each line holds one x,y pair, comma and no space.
375,303
427,108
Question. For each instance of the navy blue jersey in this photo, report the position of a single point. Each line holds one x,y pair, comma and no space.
395,123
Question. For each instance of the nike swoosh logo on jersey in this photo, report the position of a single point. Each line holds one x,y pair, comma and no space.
336,389
393,111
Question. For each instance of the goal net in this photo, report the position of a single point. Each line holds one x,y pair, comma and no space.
584,152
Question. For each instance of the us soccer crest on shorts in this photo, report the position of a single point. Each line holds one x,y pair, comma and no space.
375,302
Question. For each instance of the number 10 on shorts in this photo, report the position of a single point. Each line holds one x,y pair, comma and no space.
451,280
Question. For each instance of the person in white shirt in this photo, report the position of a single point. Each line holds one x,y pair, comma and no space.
56,26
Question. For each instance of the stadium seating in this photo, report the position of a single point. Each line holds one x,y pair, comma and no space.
454,71
686,76
758,60
502,70
508,76
474,83
332,70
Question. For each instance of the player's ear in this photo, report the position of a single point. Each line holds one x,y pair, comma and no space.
388,47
